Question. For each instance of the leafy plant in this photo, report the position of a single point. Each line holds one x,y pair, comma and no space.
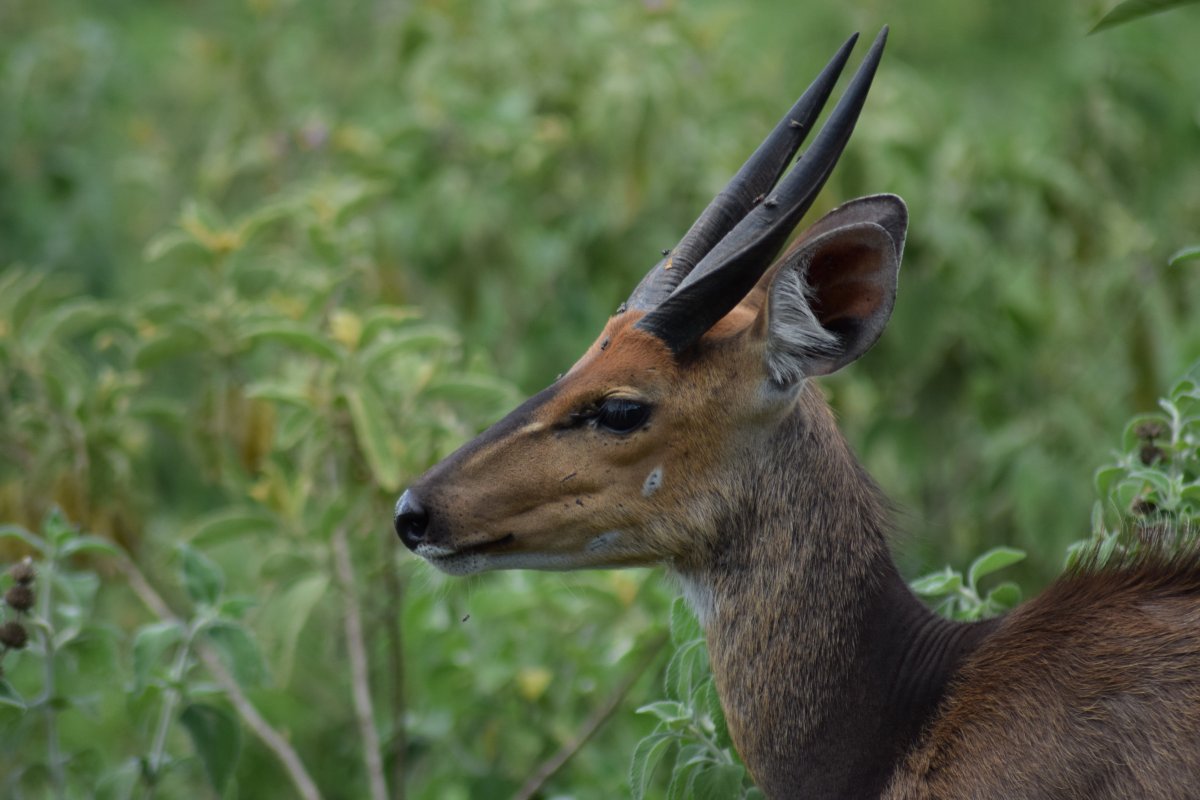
690,734
960,597
1151,492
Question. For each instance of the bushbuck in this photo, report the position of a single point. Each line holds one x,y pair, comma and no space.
690,435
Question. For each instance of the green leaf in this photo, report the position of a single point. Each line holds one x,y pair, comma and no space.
687,668
236,607
1106,477
478,390
666,710
165,242
89,544
149,645
230,524
379,319
160,411
239,652
1006,595
646,757
719,782
10,696
217,738
1188,253
65,320
287,616
376,435
177,341
292,334
716,712
683,778
937,583
1135,9
995,559
684,625
202,578
415,339
17,532
57,528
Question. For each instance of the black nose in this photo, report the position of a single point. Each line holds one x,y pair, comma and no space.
411,520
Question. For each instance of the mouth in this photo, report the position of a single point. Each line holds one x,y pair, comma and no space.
454,560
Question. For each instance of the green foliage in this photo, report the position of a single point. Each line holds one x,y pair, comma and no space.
1130,10
961,597
1151,491
262,263
690,734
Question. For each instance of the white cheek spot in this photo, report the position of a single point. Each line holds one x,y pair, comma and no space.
604,541
532,427
653,481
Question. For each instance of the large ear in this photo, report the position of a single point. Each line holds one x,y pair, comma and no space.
833,291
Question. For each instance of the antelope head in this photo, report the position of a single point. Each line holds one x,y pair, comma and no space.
628,458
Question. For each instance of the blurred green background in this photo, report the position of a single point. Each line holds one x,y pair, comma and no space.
262,262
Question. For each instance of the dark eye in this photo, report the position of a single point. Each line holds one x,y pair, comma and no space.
622,416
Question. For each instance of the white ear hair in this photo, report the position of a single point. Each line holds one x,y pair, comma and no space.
794,334
832,292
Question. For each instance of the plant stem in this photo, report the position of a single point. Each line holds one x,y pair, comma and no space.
167,712
360,680
53,751
595,720
394,625
274,741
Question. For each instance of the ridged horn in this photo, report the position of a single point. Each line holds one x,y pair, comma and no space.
733,266
751,183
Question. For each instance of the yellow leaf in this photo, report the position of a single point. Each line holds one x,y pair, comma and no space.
345,327
532,682
624,587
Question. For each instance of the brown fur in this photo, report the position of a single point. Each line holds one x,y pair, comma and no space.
1090,690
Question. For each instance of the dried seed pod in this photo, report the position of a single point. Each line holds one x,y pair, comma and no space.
20,597
1149,431
1142,506
13,635
23,572
1151,454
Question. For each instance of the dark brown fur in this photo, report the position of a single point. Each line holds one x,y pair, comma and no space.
1090,690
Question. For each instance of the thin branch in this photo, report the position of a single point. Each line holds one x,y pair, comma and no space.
593,723
253,720
360,680
394,625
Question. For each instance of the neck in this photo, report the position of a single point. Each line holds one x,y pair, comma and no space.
827,666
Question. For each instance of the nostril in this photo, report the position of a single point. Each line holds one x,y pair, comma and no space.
411,520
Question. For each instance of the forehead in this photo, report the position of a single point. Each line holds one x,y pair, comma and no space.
624,356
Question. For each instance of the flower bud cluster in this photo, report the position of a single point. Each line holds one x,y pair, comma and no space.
20,598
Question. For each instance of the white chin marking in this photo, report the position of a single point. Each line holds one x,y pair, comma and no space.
433,550
653,481
459,565
471,563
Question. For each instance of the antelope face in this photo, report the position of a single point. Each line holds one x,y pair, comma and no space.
608,467
624,460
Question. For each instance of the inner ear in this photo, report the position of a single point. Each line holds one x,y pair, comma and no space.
829,299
